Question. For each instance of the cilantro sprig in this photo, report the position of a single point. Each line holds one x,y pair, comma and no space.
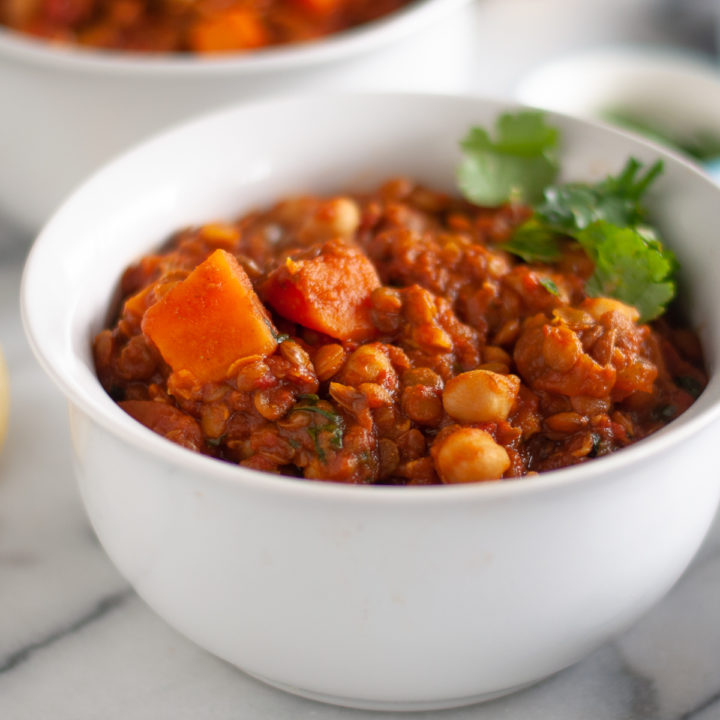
607,219
629,266
517,165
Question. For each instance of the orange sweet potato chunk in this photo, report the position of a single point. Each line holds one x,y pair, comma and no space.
210,320
329,293
232,29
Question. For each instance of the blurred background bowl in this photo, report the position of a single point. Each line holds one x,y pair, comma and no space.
368,596
66,110
672,97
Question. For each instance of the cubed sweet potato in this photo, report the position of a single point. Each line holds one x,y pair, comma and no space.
329,293
233,29
210,320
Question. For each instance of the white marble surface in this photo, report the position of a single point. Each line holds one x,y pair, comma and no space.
76,643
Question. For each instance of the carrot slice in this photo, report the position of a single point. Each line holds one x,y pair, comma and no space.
329,293
210,320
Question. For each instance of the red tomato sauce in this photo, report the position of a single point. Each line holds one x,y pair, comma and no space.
386,338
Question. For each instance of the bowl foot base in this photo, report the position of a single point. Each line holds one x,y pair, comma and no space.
391,705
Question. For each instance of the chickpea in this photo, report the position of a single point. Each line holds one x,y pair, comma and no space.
597,307
469,455
561,348
480,396
337,217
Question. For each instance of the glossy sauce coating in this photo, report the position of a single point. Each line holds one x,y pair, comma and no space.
448,360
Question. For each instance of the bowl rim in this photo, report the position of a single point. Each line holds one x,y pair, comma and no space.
612,61
397,25
119,424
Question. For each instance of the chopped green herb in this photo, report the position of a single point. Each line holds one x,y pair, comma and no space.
335,426
216,442
279,337
701,145
571,207
550,286
515,166
689,385
666,412
606,218
320,411
629,268
309,397
534,242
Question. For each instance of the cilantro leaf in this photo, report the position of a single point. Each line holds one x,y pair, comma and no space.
534,242
629,267
607,218
550,286
516,166
616,199
702,145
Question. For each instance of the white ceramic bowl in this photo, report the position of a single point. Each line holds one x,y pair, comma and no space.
65,111
377,597
679,92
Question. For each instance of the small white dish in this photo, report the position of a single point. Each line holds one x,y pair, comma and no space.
677,92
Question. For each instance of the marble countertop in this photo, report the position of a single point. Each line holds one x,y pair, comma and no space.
77,643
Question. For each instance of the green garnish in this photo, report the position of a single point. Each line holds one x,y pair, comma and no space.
335,426
665,413
607,218
534,241
550,286
516,166
331,416
701,145
616,200
689,385
629,267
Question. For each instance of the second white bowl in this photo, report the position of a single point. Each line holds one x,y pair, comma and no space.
66,111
